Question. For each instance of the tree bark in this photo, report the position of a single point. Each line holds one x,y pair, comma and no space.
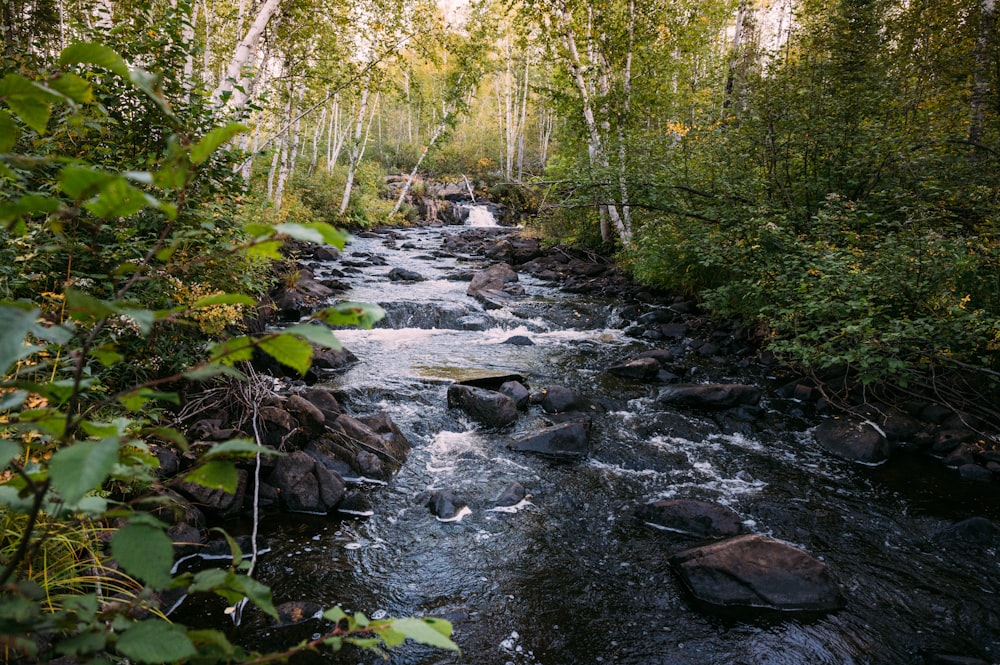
241,55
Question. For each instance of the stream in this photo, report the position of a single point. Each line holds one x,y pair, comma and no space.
572,577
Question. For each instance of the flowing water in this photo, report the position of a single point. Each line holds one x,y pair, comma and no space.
571,577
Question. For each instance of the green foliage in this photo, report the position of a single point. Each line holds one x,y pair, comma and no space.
111,254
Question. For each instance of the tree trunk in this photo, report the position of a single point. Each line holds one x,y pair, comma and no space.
980,81
416,167
359,143
242,54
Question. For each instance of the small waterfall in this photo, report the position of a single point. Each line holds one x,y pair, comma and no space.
480,216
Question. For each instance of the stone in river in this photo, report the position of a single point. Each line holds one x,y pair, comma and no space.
755,573
568,440
700,519
709,395
640,369
404,275
512,495
558,399
517,392
486,407
447,507
853,440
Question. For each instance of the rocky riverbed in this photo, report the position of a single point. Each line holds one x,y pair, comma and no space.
573,469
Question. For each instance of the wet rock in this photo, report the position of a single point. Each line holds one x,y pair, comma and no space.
709,395
216,502
474,322
356,504
404,275
324,253
306,413
512,495
949,439
445,505
487,407
568,440
517,392
373,445
692,517
559,399
899,426
975,473
186,538
662,356
332,359
953,659
306,486
972,533
674,330
853,440
298,611
492,279
492,381
639,369
754,572
519,340
961,456
325,401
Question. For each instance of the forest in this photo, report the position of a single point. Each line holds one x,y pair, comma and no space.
825,173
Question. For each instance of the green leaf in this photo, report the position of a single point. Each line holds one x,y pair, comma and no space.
28,100
216,475
9,131
212,140
15,322
432,632
82,182
74,87
232,350
392,638
117,198
213,370
299,232
268,249
28,205
82,643
145,552
317,334
94,54
155,641
223,299
259,594
362,315
8,452
288,350
82,467
238,448
86,308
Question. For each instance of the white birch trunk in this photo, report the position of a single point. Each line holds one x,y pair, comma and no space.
357,149
317,134
241,55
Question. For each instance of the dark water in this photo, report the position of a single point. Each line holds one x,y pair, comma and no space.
572,578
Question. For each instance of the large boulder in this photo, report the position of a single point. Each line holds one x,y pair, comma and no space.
691,517
709,395
853,440
216,502
568,440
754,572
487,407
492,279
559,399
305,485
374,446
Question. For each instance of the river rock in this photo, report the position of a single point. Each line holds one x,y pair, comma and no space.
972,533
444,505
297,611
492,279
306,413
568,440
692,517
216,502
975,473
754,572
519,340
559,399
487,407
306,486
332,358
517,392
853,440
404,275
325,401
356,504
639,369
512,495
709,395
